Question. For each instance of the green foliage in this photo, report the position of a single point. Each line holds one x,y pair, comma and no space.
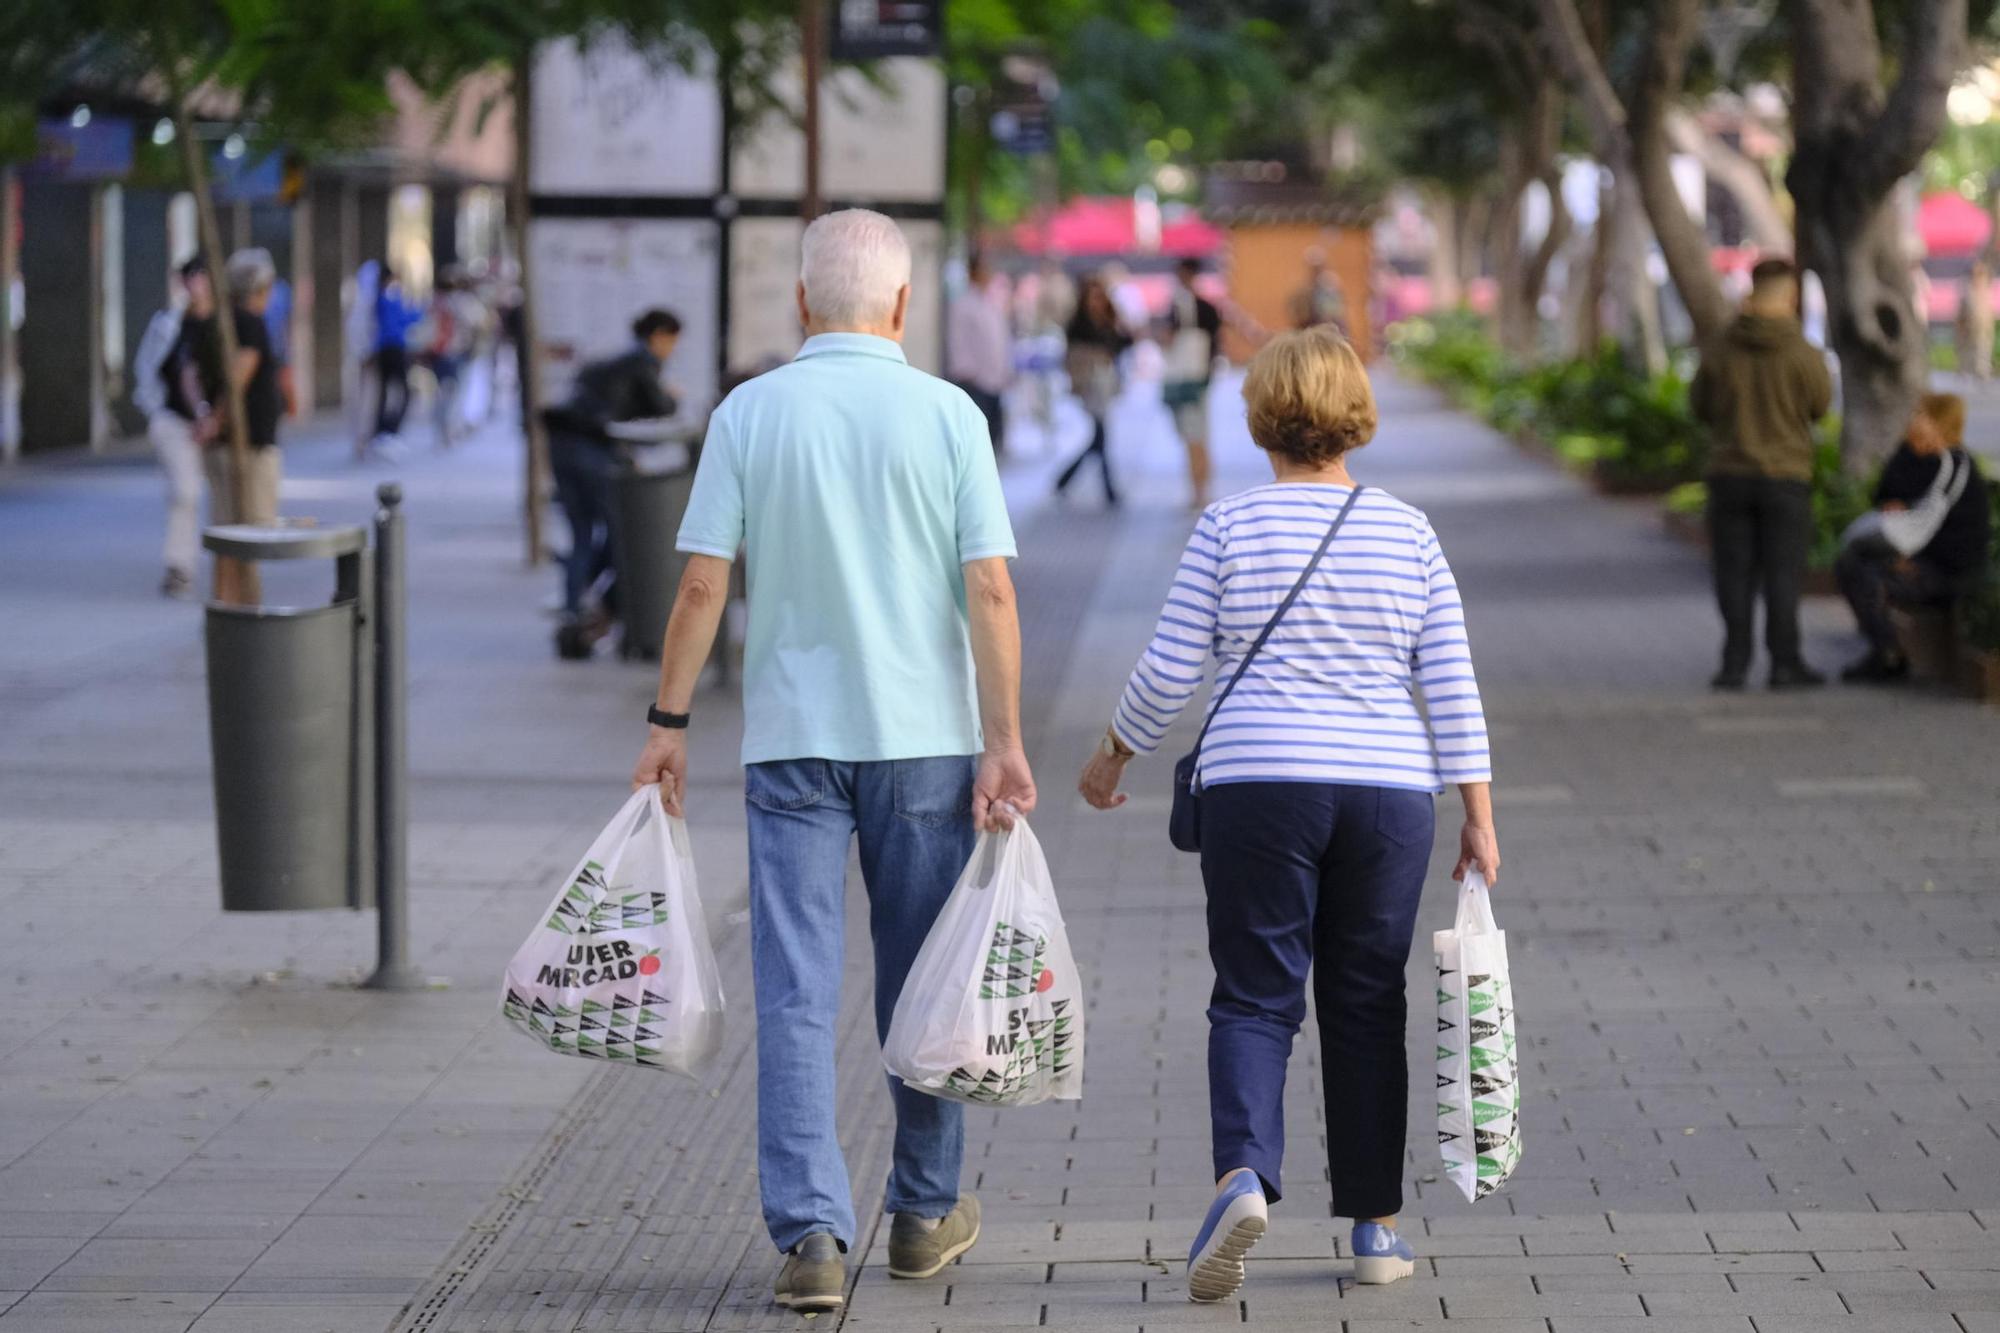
1979,613
1143,83
1632,431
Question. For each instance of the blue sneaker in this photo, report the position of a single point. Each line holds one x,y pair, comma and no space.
1235,1222
1380,1255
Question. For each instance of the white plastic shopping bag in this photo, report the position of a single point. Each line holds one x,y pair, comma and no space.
992,1012
1478,1084
620,967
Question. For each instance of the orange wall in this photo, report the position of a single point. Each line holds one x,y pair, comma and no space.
1267,264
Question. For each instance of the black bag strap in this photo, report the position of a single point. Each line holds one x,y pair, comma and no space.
1278,614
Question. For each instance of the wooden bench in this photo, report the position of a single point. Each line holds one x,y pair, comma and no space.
1930,639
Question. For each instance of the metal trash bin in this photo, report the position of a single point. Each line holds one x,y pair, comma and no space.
291,729
646,518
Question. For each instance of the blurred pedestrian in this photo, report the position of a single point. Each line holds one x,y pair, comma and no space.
168,380
883,656
1319,300
452,328
1193,326
395,317
979,349
1096,339
585,457
1760,388
1927,541
1317,780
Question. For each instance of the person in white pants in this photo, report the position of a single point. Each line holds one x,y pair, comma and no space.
167,388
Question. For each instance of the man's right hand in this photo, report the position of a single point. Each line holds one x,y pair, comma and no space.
1003,790
665,761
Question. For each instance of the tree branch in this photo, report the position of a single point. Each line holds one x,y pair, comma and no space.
1934,49
1569,45
1742,177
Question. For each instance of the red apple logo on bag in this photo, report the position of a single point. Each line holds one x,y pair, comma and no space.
1042,983
649,964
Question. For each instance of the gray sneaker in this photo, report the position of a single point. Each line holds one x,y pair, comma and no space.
814,1278
917,1251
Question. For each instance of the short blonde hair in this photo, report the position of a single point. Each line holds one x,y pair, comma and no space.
1308,396
1947,412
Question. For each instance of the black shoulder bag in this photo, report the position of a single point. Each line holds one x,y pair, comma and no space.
1184,824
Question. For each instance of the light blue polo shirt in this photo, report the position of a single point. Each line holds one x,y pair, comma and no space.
859,487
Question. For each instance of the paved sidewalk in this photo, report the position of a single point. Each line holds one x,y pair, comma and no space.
1757,942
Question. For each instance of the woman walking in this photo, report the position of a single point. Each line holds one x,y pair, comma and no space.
1324,604
1096,341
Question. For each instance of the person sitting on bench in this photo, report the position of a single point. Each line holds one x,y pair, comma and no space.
1925,541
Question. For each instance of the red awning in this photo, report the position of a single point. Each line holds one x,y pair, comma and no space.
1950,224
1104,225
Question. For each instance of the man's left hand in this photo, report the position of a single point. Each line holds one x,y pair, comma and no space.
665,761
1004,790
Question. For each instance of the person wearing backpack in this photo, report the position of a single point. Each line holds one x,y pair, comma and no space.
585,457
1326,605
168,375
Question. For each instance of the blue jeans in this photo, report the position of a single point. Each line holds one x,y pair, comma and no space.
583,473
914,821
1321,879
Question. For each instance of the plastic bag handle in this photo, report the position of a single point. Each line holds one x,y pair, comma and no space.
1475,906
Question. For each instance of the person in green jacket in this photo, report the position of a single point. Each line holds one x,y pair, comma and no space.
1760,388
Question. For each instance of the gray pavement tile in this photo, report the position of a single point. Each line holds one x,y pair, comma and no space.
1774,1300
1548,1304
26,1260
198,1226
154,1264
1872,1261
1978,1301
75,1312
47,1225
1859,1323
1654,1324
297,1319
1474,1325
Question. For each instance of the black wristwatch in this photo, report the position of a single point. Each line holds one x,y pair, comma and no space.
672,721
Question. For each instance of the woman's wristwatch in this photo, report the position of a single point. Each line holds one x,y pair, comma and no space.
1114,748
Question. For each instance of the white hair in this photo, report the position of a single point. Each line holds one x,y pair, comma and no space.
852,264
250,271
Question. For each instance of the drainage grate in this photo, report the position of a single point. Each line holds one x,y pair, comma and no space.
492,1225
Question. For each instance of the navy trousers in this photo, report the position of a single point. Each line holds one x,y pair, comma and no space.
1316,880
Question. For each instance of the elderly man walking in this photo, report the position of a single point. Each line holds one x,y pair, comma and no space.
881,701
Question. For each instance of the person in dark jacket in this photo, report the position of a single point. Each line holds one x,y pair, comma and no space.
1875,575
1096,339
1760,388
584,456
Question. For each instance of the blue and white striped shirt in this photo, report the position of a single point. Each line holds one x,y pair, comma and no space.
1329,696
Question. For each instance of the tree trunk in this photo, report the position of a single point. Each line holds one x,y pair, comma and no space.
1636,300
1854,146
1528,155
1516,317
1872,321
235,580
1631,137
1743,178
1447,289
1683,240
535,462
1475,221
